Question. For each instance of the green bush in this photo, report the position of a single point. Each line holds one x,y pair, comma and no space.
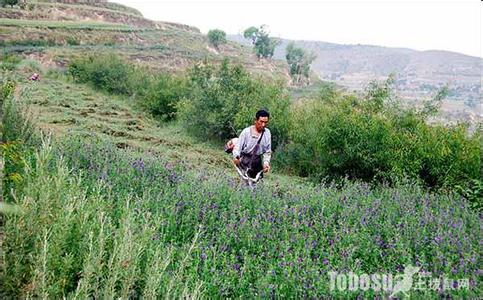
372,138
216,37
17,137
106,72
158,94
11,3
163,95
224,100
72,41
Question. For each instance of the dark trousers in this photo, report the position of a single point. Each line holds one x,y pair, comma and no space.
252,164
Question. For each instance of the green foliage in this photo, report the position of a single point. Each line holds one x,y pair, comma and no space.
4,3
72,41
16,124
264,46
216,37
82,25
251,34
379,95
17,136
432,106
97,222
473,191
30,66
299,62
31,42
223,101
9,61
375,139
164,94
105,72
158,94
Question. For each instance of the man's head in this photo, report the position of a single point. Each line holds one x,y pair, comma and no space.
261,119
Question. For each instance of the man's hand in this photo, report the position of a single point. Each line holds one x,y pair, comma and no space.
236,161
266,168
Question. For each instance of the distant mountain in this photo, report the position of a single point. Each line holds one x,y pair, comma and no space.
419,74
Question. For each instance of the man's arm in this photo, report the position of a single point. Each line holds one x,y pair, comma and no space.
266,158
267,153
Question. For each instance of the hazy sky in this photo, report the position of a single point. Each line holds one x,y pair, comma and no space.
421,25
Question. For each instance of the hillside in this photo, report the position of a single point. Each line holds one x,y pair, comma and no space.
121,202
418,74
49,34
54,32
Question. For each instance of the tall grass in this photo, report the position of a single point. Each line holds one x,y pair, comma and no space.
17,135
70,240
9,61
85,234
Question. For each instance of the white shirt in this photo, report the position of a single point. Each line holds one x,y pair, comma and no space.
248,140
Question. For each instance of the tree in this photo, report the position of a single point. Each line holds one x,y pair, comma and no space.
299,62
251,34
264,44
216,37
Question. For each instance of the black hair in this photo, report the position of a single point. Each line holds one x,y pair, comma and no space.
262,113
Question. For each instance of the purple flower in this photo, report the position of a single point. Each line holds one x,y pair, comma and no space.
138,164
236,267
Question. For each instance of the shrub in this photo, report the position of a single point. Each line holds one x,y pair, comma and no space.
216,37
224,100
32,43
106,72
17,136
372,138
158,94
164,94
72,41
4,3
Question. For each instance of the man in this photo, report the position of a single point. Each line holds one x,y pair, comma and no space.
253,151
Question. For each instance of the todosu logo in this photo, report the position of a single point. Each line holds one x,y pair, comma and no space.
400,283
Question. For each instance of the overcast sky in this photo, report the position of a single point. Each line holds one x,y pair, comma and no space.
421,25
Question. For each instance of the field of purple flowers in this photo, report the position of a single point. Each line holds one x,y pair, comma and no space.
100,222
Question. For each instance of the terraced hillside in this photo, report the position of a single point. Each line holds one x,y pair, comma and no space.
54,32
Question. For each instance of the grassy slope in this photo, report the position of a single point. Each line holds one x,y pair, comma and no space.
61,107
68,30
